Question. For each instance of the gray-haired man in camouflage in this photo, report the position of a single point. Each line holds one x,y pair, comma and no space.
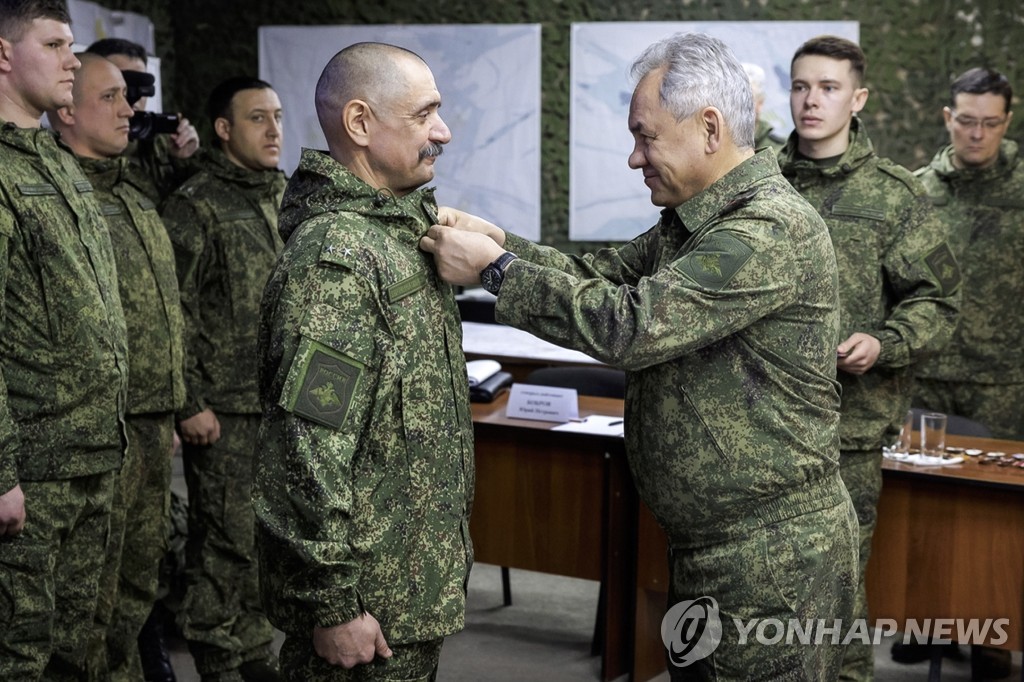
364,463
725,315
898,279
63,361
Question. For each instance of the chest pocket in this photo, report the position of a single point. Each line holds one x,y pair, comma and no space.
55,254
403,300
855,232
245,256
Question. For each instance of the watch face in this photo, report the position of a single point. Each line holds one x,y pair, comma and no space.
490,279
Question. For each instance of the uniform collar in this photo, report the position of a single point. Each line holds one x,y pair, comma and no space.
728,193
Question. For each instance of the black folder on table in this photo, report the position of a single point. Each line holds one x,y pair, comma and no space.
490,388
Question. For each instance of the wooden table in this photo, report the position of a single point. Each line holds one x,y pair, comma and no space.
950,541
949,544
560,503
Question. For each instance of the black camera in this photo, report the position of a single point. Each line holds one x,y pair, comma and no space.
145,125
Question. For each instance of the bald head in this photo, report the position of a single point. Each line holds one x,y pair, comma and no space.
96,124
92,65
379,107
372,72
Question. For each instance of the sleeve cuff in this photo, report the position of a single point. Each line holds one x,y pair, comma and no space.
8,479
191,408
336,614
893,352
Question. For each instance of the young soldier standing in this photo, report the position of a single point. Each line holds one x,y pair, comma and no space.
63,361
223,224
977,183
898,279
96,129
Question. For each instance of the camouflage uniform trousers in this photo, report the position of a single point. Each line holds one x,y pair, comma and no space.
138,541
221,617
49,576
803,568
862,474
414,662
997,406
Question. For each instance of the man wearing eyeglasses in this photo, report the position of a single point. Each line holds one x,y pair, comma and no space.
898,279
977,183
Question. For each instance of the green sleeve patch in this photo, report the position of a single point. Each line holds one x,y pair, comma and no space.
943,266
716,261
324,384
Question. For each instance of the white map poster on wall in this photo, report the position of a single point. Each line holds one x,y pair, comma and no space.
609,201
90,22
489,79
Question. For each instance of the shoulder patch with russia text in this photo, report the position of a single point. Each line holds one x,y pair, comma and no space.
327,380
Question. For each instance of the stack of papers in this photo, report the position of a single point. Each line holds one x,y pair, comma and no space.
480,371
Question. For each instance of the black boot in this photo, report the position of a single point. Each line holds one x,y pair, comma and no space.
156,664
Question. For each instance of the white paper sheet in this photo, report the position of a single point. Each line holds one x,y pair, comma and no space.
596,424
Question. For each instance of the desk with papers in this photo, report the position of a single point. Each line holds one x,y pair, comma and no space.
559,502
949,541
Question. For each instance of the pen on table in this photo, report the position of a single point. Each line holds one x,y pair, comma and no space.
615,423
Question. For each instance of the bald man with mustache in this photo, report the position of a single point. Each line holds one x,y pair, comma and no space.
364,462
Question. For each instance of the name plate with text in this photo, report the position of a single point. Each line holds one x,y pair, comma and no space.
543,403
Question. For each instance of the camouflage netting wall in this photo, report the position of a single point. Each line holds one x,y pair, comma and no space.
914,48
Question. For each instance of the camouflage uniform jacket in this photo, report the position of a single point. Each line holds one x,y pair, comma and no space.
725,316
364,469
63,347
223,224
765,137
898,280
155,171
984,209
148,284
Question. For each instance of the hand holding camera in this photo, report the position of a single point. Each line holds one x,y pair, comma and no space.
145,125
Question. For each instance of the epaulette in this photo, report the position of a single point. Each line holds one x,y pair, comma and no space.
900,173
344,246
738,201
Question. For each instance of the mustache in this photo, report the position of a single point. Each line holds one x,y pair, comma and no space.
432,149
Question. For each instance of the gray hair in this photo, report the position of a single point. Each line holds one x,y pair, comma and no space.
701,71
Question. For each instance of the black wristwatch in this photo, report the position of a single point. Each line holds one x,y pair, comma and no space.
493,275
